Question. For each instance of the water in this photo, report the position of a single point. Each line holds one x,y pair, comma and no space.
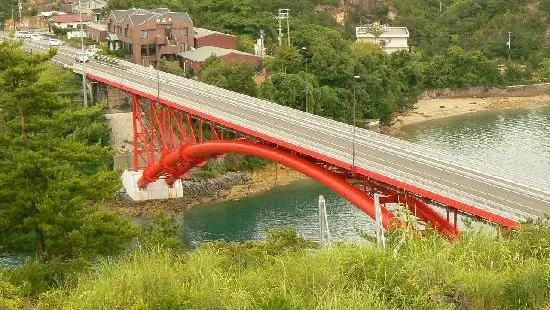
285,206
517,140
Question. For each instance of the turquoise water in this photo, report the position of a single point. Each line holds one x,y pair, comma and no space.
517,140
285,206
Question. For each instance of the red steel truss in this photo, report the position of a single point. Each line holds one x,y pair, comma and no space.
168,143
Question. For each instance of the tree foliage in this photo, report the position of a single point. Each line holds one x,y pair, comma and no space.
54,165
237,76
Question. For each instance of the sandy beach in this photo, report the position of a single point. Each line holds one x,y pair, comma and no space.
439,108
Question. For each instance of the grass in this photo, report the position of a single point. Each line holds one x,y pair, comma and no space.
287,272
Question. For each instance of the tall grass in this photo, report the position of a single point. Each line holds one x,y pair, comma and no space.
287,272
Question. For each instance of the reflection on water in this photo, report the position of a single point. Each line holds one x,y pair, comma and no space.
514,140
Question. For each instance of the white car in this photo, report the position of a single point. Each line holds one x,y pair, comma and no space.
36,37
54,42
81,57
92,51
22,35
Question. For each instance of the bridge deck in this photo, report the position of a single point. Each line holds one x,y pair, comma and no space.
470,186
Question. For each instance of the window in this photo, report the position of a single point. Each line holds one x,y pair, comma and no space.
144,34
148,50
168,33
185,31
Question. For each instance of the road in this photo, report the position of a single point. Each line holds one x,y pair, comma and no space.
492,189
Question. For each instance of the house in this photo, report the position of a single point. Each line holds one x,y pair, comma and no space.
96,32
195,58
91,7
206,37
69,21
392,39
146,35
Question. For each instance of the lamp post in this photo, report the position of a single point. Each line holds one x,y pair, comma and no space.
83,58
158,70
305,56
355,78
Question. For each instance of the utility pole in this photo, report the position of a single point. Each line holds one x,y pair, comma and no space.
283,14
440,6
20,6
509,44
355,78
13,19
288,28
84,58
306,88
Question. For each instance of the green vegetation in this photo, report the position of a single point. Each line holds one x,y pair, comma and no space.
288,272
55,167
463,45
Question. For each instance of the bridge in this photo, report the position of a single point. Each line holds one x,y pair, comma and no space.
180,123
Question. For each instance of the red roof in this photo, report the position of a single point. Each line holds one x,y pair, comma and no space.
70,18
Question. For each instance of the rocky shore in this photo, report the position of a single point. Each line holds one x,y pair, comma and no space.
230,186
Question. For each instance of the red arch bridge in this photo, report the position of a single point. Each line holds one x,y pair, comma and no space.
180,123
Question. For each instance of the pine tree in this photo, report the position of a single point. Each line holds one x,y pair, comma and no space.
55,167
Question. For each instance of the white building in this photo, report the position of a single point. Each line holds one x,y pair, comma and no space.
90,7
69,21
392,39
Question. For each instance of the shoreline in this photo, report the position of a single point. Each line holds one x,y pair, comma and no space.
432,109
260,181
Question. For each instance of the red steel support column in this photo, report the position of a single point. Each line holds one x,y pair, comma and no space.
135,111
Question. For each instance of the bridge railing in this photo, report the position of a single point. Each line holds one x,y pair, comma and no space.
396,174
475,201
508,179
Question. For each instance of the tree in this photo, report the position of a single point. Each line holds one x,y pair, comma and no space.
286,59
544,70
286,89
54,165
237,76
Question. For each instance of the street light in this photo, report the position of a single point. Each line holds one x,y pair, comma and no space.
355,78
157,67
83,58
305,56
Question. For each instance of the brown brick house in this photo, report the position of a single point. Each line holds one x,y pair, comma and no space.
145,35
195,58
206,37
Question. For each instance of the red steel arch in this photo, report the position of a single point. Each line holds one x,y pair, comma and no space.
178,164
169,143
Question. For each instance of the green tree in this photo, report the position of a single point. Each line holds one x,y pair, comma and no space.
245,43
285,89
237,76
54,165
286,59
544,70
